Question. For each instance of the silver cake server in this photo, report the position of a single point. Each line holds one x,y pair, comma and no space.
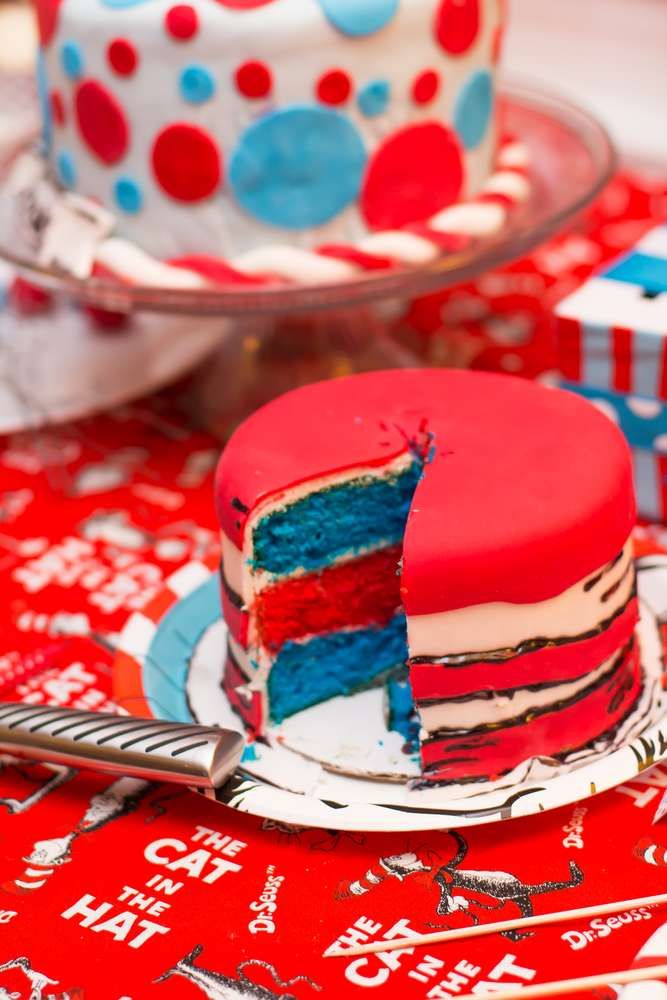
121,744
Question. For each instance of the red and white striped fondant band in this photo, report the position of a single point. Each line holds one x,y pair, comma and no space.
450,230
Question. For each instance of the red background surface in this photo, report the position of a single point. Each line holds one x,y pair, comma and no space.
94,516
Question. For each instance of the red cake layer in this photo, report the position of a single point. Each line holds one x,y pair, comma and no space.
553,663
251,708
235,616
489,753
528,492
364,591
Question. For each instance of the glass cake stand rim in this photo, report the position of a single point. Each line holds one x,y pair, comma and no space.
525,231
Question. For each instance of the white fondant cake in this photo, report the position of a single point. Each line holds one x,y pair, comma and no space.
219,126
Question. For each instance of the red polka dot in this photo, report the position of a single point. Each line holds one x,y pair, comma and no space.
57,107
416,172
107,321
47,19
122,56
497,44
186,162
243,4
334,87
425,86
28,298
457,25
102,122
182,22
254,79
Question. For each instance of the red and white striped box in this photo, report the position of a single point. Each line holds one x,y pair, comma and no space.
612,332
651,484
611,338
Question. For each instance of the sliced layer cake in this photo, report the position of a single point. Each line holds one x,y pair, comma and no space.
491,515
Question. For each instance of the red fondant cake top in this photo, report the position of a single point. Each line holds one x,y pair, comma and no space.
528,489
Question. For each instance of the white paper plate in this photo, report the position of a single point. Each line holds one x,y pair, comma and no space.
322,766
55,366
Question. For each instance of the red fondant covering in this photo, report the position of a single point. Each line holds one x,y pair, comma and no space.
102,122
248,704
236,619
491,753
244,4
334,87
426,86
254,79
414,173
546,666
529,489
187,162
58,107
215,270
182,22
122,56
457,25
47,18
365,591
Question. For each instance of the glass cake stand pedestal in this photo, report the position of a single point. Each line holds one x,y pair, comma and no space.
273,338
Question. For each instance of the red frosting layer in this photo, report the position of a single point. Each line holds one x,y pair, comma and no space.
491,753
236,618
365,591
529,489
545,666
250,709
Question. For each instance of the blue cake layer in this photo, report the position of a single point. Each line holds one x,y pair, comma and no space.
306,673
333,522
403,716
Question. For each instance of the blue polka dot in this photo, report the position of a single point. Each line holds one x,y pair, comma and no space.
129,196
473,108
44,102
374,98
298,167
71,57
66,169
359,17
197,84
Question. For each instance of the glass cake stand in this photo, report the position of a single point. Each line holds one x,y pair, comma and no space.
276,337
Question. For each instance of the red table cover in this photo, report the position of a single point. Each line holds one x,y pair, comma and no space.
123,891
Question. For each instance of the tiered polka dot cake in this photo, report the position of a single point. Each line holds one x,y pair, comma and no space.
213,127
493,515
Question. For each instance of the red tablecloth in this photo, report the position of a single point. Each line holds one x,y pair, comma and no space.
106,887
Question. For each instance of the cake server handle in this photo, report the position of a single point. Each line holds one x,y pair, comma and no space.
121,744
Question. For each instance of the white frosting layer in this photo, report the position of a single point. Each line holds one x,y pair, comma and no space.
481,219
293,264
486,627
135,266
487,711
299,44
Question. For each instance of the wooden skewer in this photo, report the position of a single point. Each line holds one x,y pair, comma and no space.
584,983
520,923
